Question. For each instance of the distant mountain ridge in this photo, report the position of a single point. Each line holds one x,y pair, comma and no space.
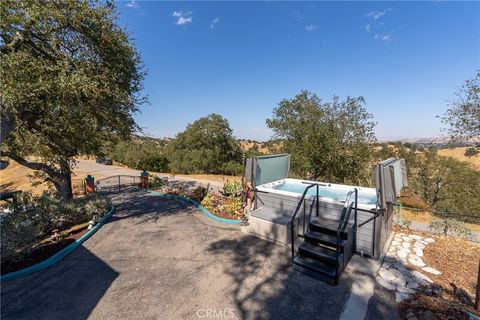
429,140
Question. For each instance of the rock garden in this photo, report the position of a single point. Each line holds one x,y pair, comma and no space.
432,277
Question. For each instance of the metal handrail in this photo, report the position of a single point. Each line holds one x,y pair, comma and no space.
343,223
292,221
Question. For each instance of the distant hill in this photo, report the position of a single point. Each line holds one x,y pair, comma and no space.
442,140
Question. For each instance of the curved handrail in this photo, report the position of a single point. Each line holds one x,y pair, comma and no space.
292,221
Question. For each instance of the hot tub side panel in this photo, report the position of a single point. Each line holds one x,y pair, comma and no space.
383,229
283,203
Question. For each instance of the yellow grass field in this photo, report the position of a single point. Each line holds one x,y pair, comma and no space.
16,177
459,154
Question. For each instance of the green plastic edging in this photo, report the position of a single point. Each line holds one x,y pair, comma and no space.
197,205
60,254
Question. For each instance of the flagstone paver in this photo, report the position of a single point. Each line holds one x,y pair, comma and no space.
401,269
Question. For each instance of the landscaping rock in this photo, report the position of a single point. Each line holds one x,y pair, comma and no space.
386,284
413,284
417,262
415,237
437,291
429,240
386,274
406,245
405,290
421,278
428,315
395,243
406,239
419,245
431,270
418,252
399,296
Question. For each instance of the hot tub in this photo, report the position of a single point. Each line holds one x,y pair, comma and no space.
277,201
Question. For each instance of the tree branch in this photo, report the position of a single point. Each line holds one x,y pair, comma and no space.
31,165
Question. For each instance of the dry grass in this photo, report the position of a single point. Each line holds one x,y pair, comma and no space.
16,177
248,145
459,154
428,217
209,177
458,262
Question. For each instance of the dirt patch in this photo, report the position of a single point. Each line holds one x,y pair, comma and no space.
457,260
46,248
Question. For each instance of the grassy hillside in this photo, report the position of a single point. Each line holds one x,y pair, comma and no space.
459,154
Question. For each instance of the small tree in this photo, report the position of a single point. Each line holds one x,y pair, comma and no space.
463,114
70,81
471,152
206,146
330,141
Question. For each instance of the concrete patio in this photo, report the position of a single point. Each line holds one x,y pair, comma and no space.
162,259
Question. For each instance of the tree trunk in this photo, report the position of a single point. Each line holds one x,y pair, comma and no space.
63,182
477,296
64,188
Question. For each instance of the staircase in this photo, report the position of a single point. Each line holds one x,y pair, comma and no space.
328,244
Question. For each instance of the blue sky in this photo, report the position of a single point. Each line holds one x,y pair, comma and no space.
239,59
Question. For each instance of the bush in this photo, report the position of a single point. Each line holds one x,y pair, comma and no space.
471,152
232,168
450,226
413,202
155,182
31,218
231,188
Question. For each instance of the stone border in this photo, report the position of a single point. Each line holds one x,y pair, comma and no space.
60,254
196,204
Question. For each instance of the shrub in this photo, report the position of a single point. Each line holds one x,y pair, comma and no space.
208,202
157,182
231,188
234,207
413,202
25,222
450,226
471,152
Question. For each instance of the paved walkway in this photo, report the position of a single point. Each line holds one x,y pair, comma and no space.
162,259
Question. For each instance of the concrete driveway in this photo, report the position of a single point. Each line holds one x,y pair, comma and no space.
100,171
162,259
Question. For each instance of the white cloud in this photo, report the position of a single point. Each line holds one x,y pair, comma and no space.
183,17
133,4
384,37
375,15
368,28
214,22
297,14
310,27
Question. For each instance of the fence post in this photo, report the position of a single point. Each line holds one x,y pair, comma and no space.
477,296
445,230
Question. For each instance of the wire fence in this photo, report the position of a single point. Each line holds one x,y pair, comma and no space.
444,214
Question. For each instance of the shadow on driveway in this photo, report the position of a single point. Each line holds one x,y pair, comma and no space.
68,290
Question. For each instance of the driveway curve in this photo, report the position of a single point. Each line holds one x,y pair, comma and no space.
160,258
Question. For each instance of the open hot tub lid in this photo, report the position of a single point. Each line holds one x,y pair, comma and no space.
265,169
